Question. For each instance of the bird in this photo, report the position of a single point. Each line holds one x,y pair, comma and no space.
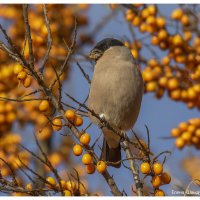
115,93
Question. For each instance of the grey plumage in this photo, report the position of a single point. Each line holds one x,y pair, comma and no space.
116,92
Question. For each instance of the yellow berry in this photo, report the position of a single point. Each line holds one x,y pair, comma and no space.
27,82
159,192
78,121
44,106
145,168
22,75
67,193
86,159
29,186
52,181
156,181
70,115
157,168
101,167
57,124
77,149
85,139
17,69
71,186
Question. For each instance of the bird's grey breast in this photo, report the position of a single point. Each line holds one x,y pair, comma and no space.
116,89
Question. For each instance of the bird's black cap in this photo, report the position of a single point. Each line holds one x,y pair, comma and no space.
106,43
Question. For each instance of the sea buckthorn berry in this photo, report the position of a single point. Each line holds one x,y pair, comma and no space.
90,169
183,126
85,139
17,69
177,14
159,192
180,143
156,181
173,84
71,186
78,121
163,81
44,106
70,115
22,75
165,178
77,149
86,159
27,82
67,193
175,132
29,186
57,124
52,181
63,184
145,168
157,168
101,166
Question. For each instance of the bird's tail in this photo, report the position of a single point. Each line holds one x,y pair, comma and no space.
112,155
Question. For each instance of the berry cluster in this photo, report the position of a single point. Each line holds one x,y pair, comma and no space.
187,133
158,176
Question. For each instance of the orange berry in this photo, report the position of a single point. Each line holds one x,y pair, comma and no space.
180,143
165,178
67,193
154,40
85,139
156,181
52,181
163,81
136,21
175,132
160,22
151,86
57,124
90,169
86,159
151,20
44,106
177,40
101,166
197,133
29,186
162,34
70,115
27,82
22,75
63,184
145,168
145,13
159,193
78,121
185,20
183,126
17,69
77,149
151,9
186,136
157,168
177,14
173,84
71,186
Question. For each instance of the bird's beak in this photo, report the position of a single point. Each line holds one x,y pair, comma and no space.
95,54
92,55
